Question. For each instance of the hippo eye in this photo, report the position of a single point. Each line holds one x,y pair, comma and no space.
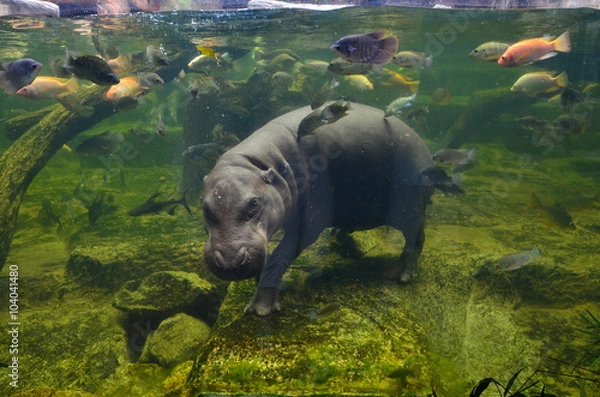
253,207
209,216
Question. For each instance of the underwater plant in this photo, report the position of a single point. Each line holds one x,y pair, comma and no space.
593,329
504,391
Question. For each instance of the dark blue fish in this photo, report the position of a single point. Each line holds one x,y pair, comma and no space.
366,48
18,74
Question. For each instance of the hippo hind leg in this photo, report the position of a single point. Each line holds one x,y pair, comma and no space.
409,218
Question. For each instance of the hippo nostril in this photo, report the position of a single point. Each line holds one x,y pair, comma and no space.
219,259
242,256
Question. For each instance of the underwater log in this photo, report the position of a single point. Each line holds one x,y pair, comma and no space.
484,106
18,125
29,154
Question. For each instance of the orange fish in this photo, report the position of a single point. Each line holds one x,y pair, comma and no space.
127,87
528,51
45,87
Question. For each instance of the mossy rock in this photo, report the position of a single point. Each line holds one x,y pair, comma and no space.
165,293
345,340
177,339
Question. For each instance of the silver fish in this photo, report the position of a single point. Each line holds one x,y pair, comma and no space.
517,260
17,74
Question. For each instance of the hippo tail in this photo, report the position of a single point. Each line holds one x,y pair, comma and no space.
440,180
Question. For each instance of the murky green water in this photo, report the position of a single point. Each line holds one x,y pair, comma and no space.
343,329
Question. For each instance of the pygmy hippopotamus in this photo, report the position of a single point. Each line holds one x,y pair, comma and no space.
358,173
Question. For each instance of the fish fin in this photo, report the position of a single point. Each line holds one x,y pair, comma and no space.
207,51
563,42
389,45
429,61
535,252
377,35
378,68
185,205
7,85
535,202
381,57
548,55
5,65
562,80
153,197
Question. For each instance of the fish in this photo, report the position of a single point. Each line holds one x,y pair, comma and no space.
319,117
417,113
359,81
528,51
490,51
323,94
204,152
161,128
538,126
151,206
371,48
396,106
534,83
440,94
570,97
120,64
90,67
128,87
45,87
569,124
101,145
47,216
57,64
281,63
106,52
150,80
455,156
155,57
315,68
518,259
556,215
413,59
100,207
398,79
203,64
343,67
17,74
328,310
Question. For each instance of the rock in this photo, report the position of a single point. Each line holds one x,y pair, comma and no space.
165,293
29,7
111,264
189,333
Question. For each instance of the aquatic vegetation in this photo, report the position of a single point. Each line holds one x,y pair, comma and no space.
505,391
593,329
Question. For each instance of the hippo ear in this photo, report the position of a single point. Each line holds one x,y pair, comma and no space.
268,175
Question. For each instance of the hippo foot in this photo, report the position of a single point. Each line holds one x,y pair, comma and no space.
264,302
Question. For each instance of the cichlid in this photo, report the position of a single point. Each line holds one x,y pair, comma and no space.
535,83
151,206
396,106
412,59
518,260
366,48
528,51
489,52
17,74
556,214
90,67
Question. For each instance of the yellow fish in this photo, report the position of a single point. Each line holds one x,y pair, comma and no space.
207,51
395,78
359,81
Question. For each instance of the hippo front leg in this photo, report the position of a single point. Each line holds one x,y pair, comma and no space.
264,302
409,259
266,296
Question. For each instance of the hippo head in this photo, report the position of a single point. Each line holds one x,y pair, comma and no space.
243,207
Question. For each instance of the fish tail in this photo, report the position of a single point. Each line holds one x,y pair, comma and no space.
562,80
563,42
535,202
472,155
448,91
429,61
413,86
389,45
185,204
73,85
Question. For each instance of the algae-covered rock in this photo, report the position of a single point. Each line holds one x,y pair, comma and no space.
110,265
176,340
165,293
48,392
348,334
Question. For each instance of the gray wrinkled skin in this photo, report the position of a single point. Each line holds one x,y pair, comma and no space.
361,172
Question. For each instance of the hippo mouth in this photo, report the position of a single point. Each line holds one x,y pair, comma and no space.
243,264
